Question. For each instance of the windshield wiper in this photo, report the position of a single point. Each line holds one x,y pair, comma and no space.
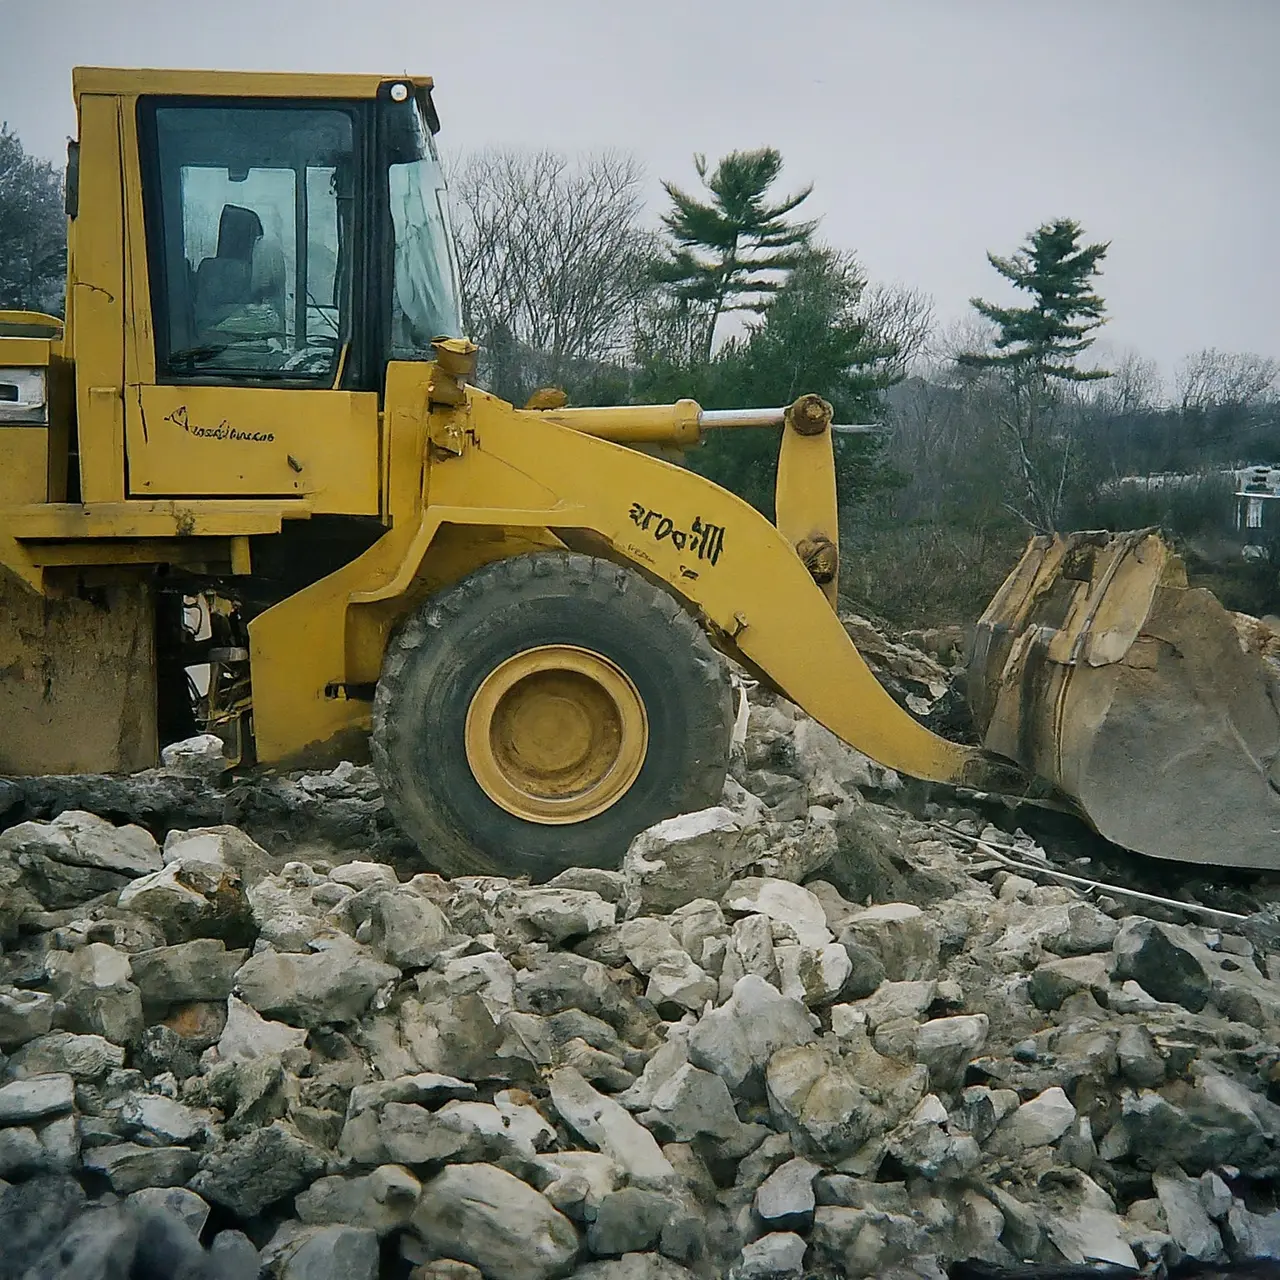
196,355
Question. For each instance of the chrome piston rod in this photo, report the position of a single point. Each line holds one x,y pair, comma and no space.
771,418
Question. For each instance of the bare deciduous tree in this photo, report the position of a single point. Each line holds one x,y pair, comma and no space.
1212,379
899,317
1135,385
551,255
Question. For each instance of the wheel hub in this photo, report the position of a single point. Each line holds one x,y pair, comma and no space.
556,734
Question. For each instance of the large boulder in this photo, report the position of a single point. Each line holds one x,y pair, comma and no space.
695,855
485,1216
333,985
737,1040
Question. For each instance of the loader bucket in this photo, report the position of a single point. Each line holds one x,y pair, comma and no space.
1097,668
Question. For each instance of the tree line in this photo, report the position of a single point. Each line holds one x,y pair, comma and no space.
1002,425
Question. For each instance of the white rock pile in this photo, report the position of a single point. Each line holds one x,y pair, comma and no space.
798,1035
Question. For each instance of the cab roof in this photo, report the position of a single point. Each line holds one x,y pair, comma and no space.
231,84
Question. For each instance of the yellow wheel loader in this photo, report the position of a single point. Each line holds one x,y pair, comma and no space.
260,398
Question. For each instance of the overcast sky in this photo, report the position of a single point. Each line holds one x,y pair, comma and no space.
933,130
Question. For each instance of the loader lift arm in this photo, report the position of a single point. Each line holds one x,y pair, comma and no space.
751,583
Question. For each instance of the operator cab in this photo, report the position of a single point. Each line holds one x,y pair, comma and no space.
296,242
248,253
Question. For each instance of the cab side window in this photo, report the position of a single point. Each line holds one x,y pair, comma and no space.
251,222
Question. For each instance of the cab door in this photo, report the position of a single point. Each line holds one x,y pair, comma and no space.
252,268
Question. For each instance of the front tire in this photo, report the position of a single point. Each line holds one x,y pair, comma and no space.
542,711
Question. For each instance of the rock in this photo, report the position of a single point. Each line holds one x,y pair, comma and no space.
32,1099
737,1040
946,1045
695,855
814,976
234,1256
1022,1231
1064,928
633,1266
199,757
777,1256
1042,1120
1215,1195
749,950
817,1099
255,1171
180,897
610,1129
1140,1060
78,839
482,1215
866,970
84,1058
676,980
407,929
865,1242
285,908
51,1146
1085,1227
247,1035
785,1201
1056,981
364,875
334,985
895,1000
1252,1235
1188,1223
1159,958
446,1269
577,1181
24,1015
428,1089
217,848
693,1104
129,1167
696,923
628,1221
382,1201
1215,1122
901,935
93,985
921,1146
783,903
178,1201
980,1110
202,969
798,856
21,1153
334,1253
163,1120
610,885
556,914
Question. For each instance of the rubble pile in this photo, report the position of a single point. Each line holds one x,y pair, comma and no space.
799,1034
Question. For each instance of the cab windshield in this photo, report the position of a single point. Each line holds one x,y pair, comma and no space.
425,302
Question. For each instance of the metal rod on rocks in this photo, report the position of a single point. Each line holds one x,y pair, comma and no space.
1215,916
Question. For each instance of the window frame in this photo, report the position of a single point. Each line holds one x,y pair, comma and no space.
353,372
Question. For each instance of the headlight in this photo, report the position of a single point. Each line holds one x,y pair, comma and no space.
24,397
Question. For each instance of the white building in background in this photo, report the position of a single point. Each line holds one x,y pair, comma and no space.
1256,489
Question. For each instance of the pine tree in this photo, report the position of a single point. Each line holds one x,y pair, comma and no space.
1034,351
731,253
1045,338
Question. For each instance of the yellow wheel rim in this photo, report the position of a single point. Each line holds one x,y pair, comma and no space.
556,734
